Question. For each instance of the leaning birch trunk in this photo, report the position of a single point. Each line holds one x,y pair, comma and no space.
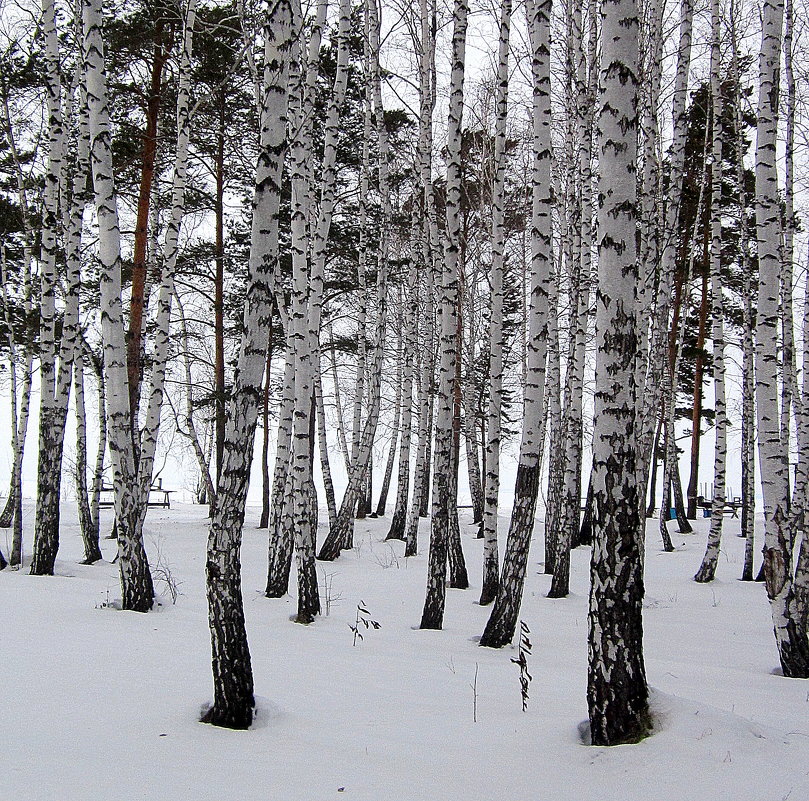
301,489
136,580
279,557
423,234
491,561
395,429
323,447
425,378
397,523
306,329
707,569
88,526
670,376
338,403
233,678
443,506
20,395
341,535
651,234
659,388
297,523
617,694
54,392
573,429
208,489
502,621
20,407
789,628
101,450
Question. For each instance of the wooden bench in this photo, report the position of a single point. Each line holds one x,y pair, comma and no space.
163,499
730,507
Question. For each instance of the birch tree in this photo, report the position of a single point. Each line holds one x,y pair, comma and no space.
233,678
707,569
617,695
502,621
491,559
442,503
789,626
136,581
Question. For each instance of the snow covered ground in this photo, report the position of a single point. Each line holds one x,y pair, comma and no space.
103,704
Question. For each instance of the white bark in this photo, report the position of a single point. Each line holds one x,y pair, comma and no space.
707,570
443,502
790,631
136,581
491,560
503,619
616,688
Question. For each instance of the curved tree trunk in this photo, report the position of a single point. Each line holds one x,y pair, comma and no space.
502,621
233,678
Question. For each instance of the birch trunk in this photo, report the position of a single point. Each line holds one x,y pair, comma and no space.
424,229
20,394
748,519
98,473
136,581
442,505
579,298
502,622
323,448
707,569
554,391
491,559
789,380
203,461
89,527
300,483
397,410
789,628
279,558
342,534
233,678
660,382
20,407
305,522
397,523
54,391
617,695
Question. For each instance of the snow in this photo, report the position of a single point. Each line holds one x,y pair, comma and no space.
103,704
